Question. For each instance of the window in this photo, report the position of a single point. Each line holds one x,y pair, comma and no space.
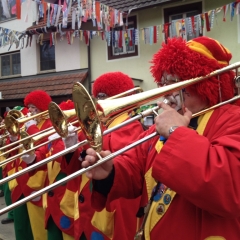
180,17
47,56
128,47
7,9
10,64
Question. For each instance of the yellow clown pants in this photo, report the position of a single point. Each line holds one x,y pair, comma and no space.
36,216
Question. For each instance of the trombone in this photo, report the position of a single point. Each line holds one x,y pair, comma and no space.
90,112
93,125
74,147
13,125
14,113
61,119
28,143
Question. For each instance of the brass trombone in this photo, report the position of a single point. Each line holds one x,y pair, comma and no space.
90,111
89,119
28,143
20,140
14,113
61,119
13,125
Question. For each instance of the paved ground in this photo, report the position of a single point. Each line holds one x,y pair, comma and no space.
6,230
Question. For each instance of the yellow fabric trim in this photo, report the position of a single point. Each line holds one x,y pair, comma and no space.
159,146
2,158
150,182
13,183
104,222
67,237
53,170
36,216
84,181
76,208
215,238
202,122
40,124
44,201
200,48
118,120
152,221
37,180
67,203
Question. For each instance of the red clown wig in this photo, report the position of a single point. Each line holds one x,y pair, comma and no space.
39,99
112,83
68,105
195,58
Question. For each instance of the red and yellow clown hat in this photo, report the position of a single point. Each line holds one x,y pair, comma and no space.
195,58
112,83
39,99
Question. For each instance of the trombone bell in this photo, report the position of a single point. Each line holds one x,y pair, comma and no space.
87,116
11,125
60,119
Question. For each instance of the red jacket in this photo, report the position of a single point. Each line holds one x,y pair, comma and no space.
36,179
203,171
59,202
112,222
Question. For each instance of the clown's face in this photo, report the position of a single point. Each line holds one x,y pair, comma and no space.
172,99
33,110
193,102
189,99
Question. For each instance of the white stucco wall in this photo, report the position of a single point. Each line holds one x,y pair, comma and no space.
29,59
67,56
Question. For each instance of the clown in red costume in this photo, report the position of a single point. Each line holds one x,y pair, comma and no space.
36,101
13,191
188,176
59,202
110,222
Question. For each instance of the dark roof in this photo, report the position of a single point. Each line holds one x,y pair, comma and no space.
56,84
125,5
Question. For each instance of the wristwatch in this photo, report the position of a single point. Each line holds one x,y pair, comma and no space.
172,129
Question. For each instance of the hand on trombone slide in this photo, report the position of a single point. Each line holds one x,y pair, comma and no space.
100,172
169,117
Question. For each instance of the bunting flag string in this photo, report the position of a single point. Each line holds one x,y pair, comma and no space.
110,25
107,19
10,37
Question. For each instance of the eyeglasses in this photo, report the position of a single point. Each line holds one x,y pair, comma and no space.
167,80
101,96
